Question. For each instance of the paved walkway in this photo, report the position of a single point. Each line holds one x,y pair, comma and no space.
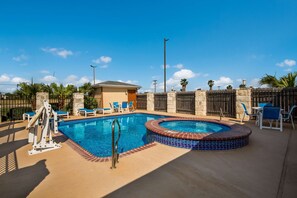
267,167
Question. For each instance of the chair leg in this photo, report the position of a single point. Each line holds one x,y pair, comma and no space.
292,121
242,117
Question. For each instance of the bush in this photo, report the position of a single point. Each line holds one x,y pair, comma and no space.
90,102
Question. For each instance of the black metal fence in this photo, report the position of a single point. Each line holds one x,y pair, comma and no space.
141,101
221,99
185,102
284,98
61,103
12,106
160,102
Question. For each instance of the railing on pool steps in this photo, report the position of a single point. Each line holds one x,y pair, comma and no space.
115,154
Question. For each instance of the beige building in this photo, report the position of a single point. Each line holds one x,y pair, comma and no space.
114,91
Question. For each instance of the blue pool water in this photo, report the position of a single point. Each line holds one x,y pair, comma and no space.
194,126
94,135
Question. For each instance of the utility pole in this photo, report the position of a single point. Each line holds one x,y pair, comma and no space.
94,77
165,40
155,85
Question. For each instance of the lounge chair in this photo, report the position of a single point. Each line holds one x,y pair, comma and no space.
115,106
103,110
62,113
131,106
125,106
86,111
28,115
246,113
271,114
289,116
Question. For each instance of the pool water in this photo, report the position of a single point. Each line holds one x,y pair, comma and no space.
94,135
194,126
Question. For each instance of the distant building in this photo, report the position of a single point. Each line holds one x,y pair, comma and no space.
114,91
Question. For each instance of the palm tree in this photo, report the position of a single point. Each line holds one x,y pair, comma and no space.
62,92
184,82
288,80
229,87
87,89
210,84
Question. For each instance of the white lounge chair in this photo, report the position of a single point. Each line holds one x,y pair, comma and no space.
103,110
86,111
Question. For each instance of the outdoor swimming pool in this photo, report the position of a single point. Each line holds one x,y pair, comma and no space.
94,135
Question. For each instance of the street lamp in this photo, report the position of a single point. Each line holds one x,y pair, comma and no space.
94,77
165,40
155,85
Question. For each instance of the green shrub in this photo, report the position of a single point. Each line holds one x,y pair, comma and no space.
16,113
90,102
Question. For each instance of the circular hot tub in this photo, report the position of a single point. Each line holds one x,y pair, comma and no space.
198,134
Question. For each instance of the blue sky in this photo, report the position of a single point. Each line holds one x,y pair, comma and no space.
223,40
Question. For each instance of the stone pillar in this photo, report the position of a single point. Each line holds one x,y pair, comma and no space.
200,103
40,97
78,102
150,105
243,96
171,102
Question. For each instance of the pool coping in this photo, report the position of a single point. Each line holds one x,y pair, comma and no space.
236,131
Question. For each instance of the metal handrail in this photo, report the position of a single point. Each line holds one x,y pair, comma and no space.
115,154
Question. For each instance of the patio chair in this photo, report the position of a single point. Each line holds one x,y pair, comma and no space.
103,110
62,113
86,111
246,113
28,115
264,104
271,114
115,106
131,106
289,116
125,106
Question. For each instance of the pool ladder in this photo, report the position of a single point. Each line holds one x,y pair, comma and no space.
115,154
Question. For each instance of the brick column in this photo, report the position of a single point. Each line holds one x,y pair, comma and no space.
78,102
40,97
243,96
171,102
200,103
150,102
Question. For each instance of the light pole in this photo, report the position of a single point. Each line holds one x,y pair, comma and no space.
155,85
165,40
94,77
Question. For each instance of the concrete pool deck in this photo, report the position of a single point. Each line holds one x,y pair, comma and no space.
267,167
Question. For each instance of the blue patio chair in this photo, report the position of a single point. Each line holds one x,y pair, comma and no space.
28,115
115,106
125,106
246,113
264,104
86,111
271,114
289,116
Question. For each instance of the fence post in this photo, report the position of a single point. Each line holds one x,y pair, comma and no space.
243,96
78,102
150,105
171,102
40,97
200,103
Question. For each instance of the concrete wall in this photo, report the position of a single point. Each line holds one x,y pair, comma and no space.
40,97
150,102
98,97
78,102
243,96
171,102
110,95
200,103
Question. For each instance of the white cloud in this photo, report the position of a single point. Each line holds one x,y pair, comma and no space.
287,62
74,80
20,58
48,79
288,70
223,81
18,80
184,73
102,59
44,72
4,78
84,80
255,82
58,52
179,66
